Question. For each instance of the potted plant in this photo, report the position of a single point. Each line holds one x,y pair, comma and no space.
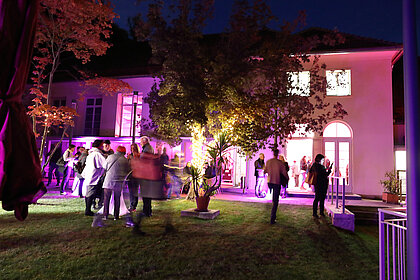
203,186
392,188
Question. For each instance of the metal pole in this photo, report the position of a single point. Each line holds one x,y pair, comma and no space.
381,246
135,96
412,136
332,191
344,195
337,182
74,105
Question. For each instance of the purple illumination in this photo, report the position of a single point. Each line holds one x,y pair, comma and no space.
412,124
20,170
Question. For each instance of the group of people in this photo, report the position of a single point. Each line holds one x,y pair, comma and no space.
277,170
100,174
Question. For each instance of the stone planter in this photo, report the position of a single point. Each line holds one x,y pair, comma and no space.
390,198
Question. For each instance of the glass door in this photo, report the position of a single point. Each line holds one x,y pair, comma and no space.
338,152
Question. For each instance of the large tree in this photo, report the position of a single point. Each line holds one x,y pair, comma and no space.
80,27
242,81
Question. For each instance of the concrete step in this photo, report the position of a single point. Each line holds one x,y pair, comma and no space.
365,214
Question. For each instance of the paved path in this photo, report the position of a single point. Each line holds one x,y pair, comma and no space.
250,197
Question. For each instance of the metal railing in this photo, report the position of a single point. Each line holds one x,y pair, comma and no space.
334,195
392,243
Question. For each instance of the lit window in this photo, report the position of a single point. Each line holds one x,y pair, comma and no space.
125,115
300,131
299,83
400,160
336,129
338,82
93,116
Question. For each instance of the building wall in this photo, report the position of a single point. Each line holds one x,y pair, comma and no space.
369,115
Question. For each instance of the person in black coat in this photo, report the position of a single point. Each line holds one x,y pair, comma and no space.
321,184
53,167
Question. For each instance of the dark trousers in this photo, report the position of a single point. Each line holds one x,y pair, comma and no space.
80,186
53,167
66,178
107,199
319,198
276,193
147,206
91,193
133,188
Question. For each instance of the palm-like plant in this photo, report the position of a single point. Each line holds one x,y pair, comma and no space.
216,154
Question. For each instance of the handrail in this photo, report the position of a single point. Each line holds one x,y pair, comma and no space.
392,243
331,196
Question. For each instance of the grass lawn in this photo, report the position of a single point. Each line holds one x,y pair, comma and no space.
57,241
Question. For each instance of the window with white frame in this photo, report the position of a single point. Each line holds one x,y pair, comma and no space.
125,115
338,82
93,116
299,83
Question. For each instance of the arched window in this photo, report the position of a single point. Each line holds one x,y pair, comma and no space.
337,129
337,149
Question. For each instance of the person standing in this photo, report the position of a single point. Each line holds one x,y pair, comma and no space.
133,184
321,184
95,167
295,173
304,170
145,145
146,184
259,165
174,173
68,160
78,167
284,181
117,168
275,169
52,166
107,150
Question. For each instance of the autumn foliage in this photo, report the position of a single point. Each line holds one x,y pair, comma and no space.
81,27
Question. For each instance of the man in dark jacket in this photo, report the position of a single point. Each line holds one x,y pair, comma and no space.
52,166
276,169
321,184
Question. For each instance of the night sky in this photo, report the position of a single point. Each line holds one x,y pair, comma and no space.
380,19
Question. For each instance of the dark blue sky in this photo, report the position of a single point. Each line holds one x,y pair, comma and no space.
381,19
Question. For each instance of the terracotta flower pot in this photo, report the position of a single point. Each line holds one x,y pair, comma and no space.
390,198
202,203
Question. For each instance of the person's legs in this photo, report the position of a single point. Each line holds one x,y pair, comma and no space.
315,204
133,188
50,172
63,184
169,187
117,197
100,196
321,204
303,178
57,173
89,198
107,199
81,181
276,194
147,206
296,181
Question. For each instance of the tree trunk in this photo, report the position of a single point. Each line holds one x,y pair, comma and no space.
47,161
44,135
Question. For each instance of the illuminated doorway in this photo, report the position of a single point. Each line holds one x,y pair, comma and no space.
337,138
298,147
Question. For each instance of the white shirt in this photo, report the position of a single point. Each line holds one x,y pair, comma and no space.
68,155
95,167
295,170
